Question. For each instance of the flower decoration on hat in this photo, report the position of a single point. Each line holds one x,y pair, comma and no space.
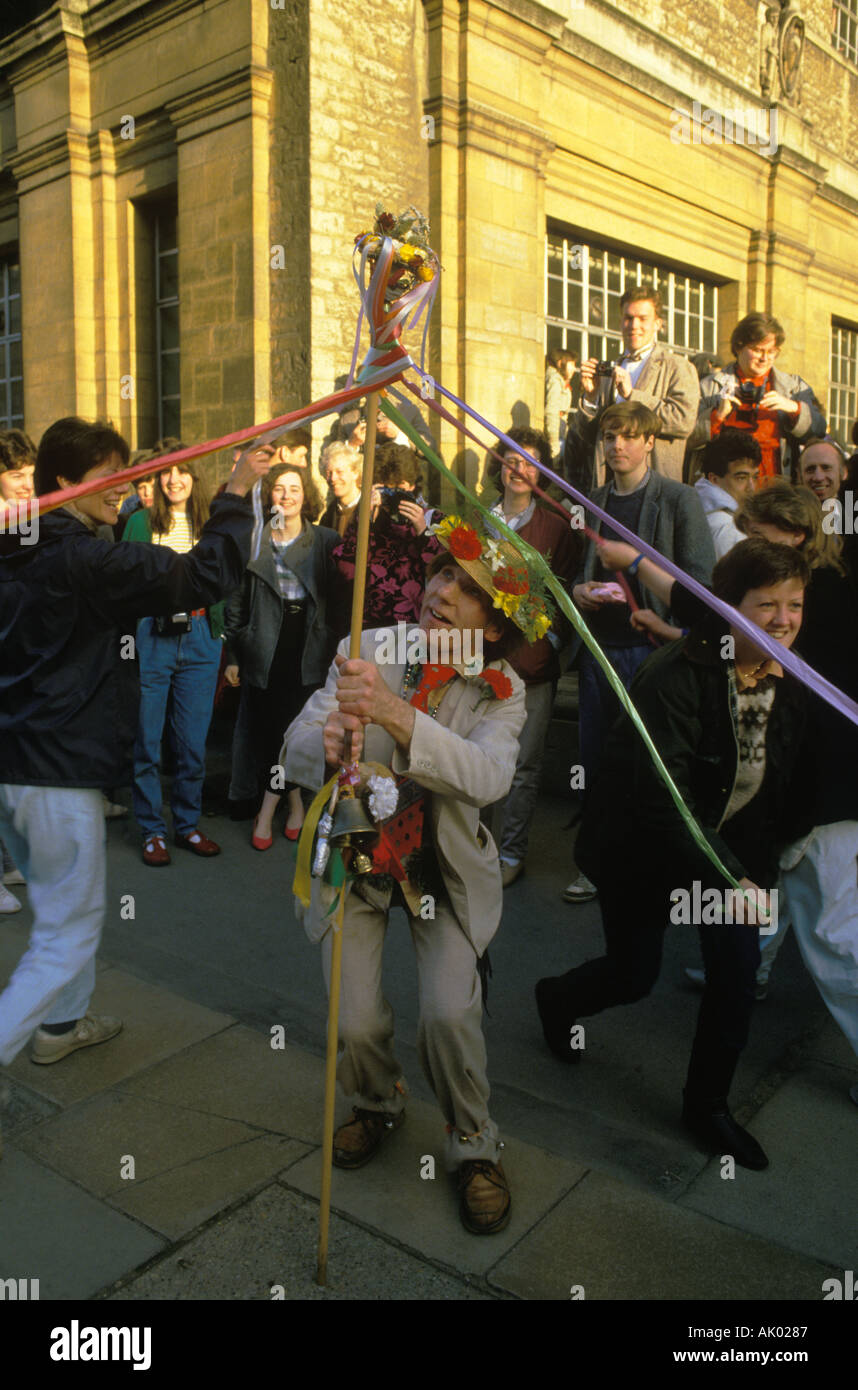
514,587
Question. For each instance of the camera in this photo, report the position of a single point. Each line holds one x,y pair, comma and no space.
390,500
749,394
173,626
605,368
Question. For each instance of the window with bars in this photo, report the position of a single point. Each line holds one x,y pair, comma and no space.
167,323
584,285
11,369
844,15
843,386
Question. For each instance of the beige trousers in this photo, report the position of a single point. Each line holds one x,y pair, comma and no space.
450,1041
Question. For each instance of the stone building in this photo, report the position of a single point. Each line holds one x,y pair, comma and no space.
181,182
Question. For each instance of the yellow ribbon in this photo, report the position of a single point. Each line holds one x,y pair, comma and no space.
301,885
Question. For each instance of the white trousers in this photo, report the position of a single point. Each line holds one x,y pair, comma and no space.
57,837
822,901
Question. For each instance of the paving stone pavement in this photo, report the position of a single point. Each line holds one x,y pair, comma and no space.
181,1160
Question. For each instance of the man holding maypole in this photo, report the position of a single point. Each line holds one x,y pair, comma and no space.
449,737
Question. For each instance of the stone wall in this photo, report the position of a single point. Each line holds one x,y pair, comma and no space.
367,85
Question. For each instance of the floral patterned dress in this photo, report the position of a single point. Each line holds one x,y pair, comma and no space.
396,574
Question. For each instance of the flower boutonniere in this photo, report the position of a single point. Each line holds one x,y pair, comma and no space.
492,685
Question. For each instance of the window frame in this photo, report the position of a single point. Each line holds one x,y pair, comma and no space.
844,37
617,269
843,391
8,419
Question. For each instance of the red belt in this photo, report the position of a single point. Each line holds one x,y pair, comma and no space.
198,613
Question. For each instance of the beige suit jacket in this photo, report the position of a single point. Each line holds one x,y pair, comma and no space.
465,758
668,385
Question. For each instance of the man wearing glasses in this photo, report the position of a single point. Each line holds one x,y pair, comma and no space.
752,394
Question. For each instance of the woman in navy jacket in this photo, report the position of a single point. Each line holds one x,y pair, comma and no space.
728,727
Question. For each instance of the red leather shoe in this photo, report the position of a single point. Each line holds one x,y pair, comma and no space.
155,852
197,844
292,834
258,841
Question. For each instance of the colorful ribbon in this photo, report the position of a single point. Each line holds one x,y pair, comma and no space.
386,324
788,659
261,434
568,608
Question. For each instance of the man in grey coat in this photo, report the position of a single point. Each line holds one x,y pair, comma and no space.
669,516
647,372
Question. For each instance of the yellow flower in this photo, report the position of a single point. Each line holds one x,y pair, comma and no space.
425,273
508,603
406,253
447,525
542,623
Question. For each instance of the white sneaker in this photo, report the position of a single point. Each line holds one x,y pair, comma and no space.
14,878
511,872
52,1047
8,901
113,810
580,890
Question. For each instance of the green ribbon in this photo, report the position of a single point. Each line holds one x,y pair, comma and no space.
571,612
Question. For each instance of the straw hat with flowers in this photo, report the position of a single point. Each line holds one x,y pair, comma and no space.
499,569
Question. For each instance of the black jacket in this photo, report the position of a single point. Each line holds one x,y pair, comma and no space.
827,777
685,694
68,611
255,611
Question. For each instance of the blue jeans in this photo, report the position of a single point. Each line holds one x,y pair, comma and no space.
598,706
187,666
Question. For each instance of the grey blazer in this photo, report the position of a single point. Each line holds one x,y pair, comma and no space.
674,522
254,612
668,385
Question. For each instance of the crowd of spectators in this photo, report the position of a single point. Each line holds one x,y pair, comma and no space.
725,470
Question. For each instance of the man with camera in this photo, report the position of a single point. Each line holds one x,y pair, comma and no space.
399,546
752,394
646,372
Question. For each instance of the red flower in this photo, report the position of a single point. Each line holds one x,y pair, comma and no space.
386,222
501,685
464,543
511,580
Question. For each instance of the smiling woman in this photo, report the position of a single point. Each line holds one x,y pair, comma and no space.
179,655
279,642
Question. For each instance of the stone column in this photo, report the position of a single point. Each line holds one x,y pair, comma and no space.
487,200
221,133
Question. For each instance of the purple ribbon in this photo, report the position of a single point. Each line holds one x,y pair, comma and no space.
787,659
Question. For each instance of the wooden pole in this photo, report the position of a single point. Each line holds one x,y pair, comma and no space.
361,554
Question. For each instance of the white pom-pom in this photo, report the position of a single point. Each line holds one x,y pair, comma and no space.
383,797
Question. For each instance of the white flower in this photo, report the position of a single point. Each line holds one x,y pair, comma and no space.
383,797
493,555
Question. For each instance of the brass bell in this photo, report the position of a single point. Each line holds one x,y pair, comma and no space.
353,829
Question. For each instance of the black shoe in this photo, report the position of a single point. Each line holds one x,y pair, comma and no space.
556,1023
721,1134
